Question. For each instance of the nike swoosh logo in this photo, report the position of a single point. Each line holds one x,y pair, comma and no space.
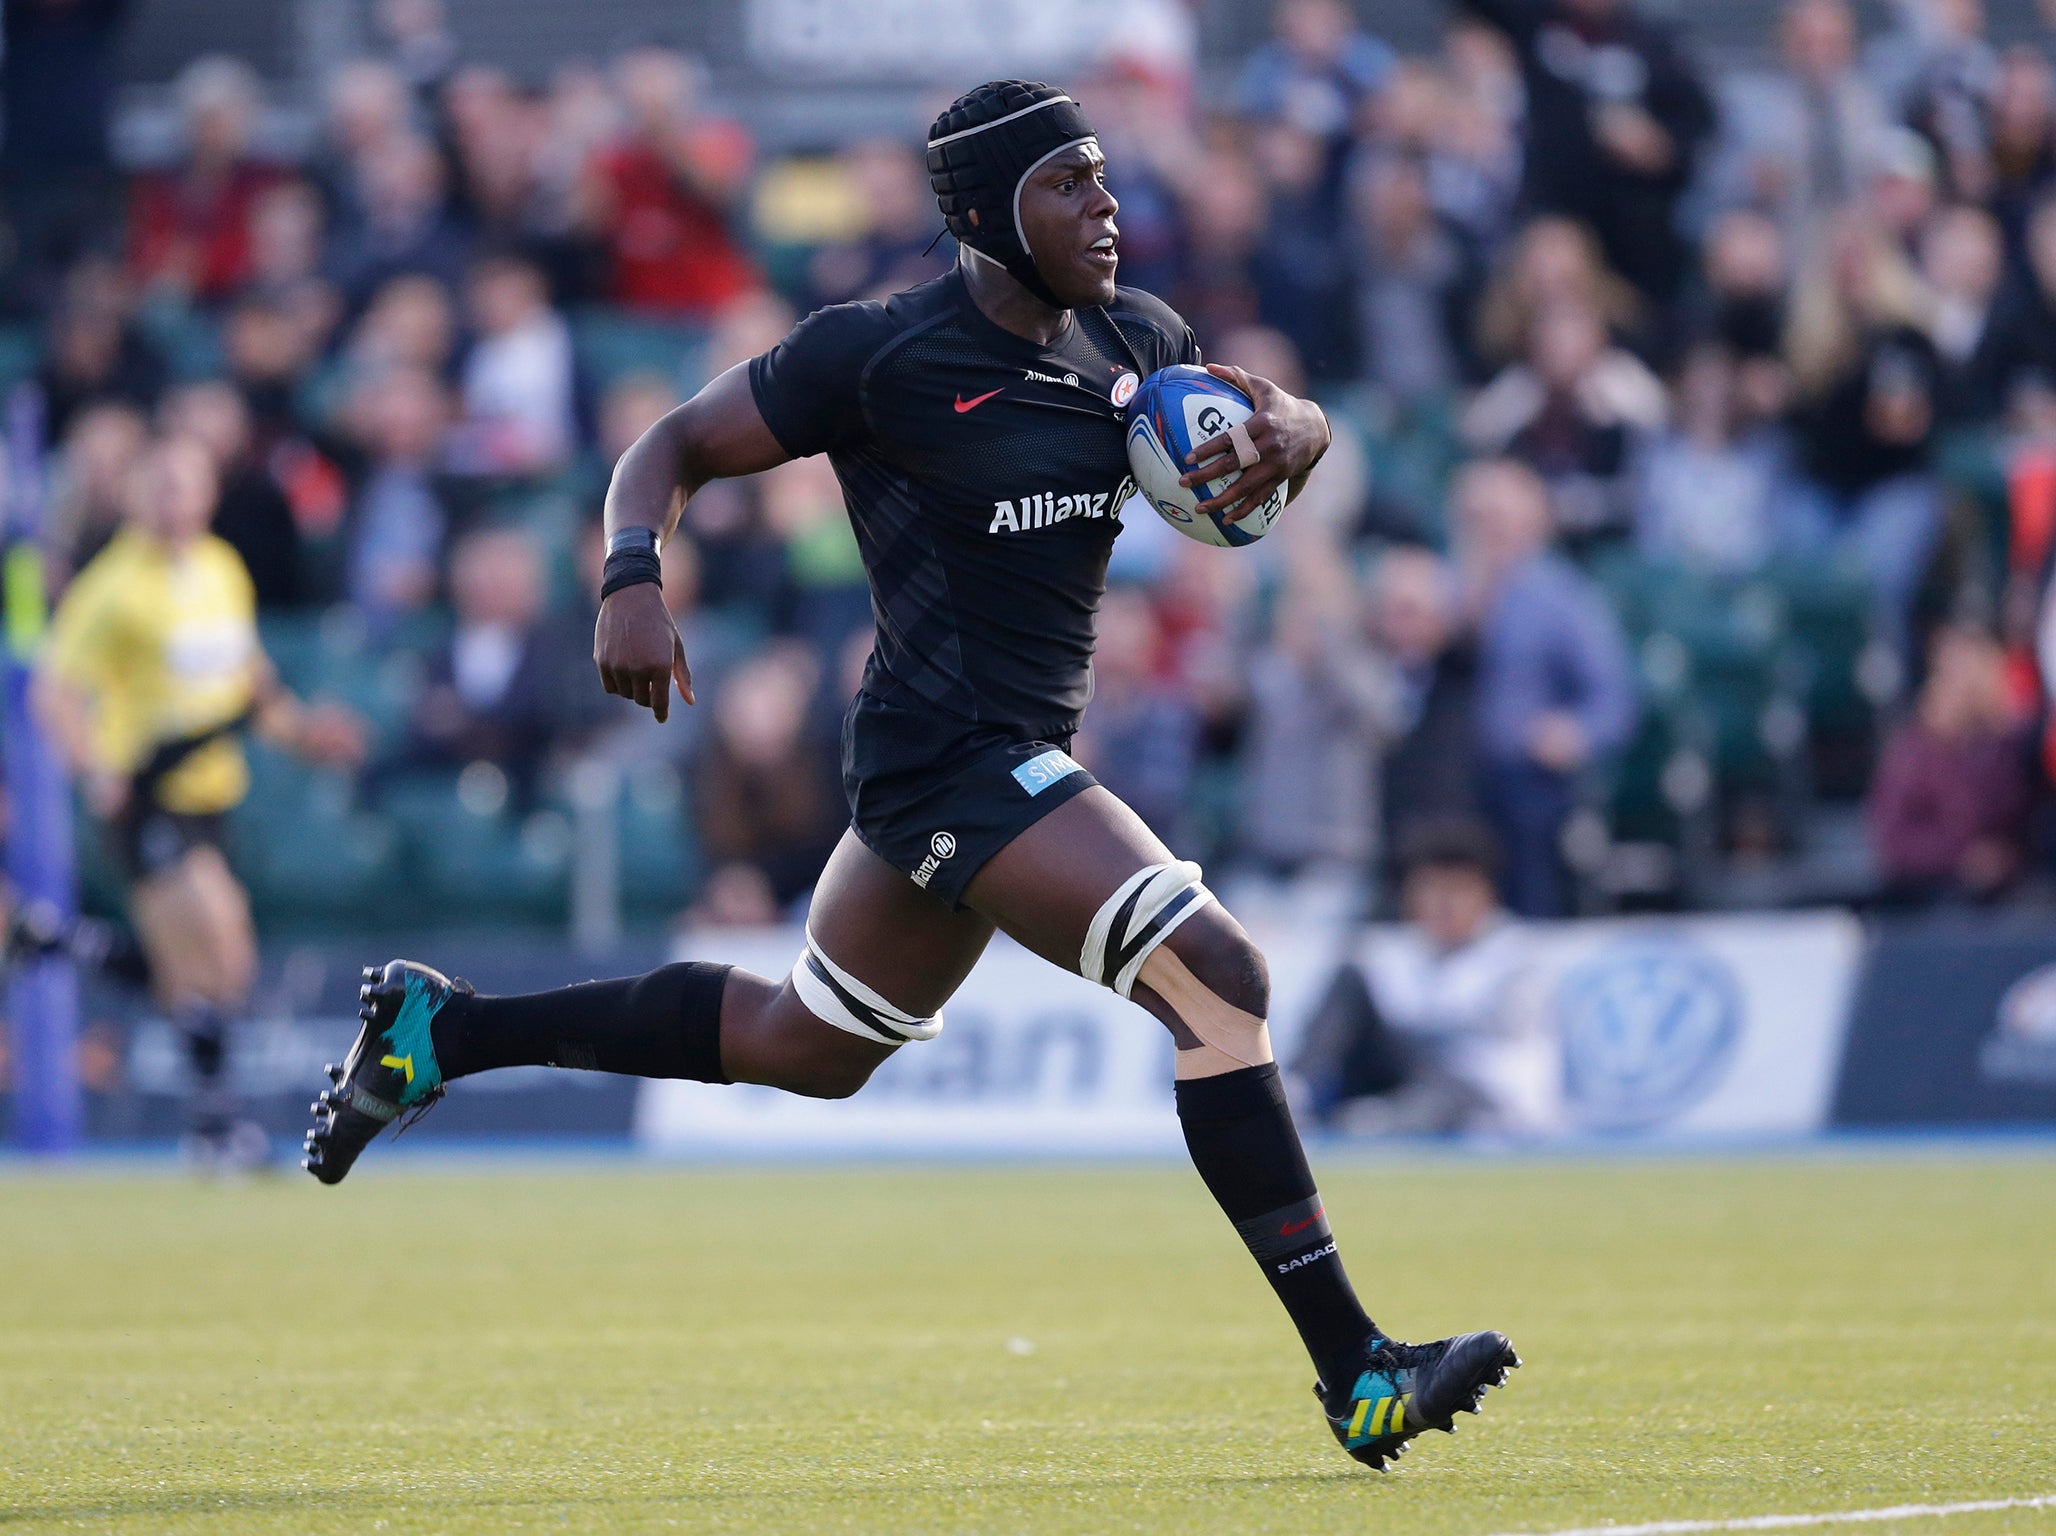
964,405
1291,1227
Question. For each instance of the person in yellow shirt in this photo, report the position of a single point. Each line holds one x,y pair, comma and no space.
151,672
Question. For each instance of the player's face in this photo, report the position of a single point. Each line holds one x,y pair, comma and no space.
1067,219
174,491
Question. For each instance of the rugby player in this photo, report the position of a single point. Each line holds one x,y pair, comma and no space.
151,672
976,425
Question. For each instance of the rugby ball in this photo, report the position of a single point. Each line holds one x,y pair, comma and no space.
1176,408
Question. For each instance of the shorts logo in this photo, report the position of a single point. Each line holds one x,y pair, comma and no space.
941,846
1038,773
1124,388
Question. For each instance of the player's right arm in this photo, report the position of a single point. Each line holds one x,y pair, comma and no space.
717,434
79,660
800,398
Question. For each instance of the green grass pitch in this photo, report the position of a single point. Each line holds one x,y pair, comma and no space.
622,1348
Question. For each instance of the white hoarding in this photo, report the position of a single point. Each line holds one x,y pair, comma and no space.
1689,1027
1717,1026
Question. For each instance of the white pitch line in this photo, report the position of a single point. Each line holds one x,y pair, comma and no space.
1785,1522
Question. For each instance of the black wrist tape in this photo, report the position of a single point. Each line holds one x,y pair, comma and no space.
628,568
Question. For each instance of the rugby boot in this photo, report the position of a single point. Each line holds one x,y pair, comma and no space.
391,1071
1402,1389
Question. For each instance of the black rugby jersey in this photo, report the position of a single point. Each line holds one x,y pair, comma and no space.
984,475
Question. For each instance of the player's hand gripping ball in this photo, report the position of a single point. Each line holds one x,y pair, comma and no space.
1176,409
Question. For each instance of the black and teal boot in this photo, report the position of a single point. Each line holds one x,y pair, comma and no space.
391,1070
1402,1389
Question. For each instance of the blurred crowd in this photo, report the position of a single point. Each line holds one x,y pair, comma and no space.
1643,380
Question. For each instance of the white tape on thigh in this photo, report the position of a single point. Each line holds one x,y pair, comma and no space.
1144,912
836,997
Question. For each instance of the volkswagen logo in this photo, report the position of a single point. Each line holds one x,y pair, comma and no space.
1648,1027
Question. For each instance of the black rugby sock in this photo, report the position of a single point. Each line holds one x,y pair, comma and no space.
663,1024
204,1027
1241,1138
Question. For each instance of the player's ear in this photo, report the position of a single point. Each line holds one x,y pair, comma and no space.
973,213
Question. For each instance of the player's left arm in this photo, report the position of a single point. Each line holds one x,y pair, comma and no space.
1289,435
318,732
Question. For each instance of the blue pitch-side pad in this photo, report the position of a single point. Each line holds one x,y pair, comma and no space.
1038,773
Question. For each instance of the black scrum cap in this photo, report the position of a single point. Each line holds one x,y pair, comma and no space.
983,148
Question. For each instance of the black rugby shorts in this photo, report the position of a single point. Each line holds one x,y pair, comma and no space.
148,840
936,796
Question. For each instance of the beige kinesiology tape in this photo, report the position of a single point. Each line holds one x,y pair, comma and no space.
1239,439
1229,1038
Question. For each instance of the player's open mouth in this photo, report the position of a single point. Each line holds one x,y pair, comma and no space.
1101,251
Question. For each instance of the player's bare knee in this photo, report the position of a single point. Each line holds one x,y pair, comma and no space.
829,1079
1222,958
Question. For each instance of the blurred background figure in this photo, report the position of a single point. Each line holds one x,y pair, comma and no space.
1576,410
93,348
253,516
1800,144
398,516
518,385
492,694
1868,378
664,197
1555,688
1616,119
189,226
1317,72
897,247
152,674
1431,771
1705,493
1948,810
1425,1032
1142,738
763,786
1321,707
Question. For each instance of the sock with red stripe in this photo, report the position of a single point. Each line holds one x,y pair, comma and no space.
1242,1141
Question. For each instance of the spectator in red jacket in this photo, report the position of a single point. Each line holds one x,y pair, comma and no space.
189,225
1949,804
666,199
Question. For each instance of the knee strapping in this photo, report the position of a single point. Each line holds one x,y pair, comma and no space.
1138,917
836,997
